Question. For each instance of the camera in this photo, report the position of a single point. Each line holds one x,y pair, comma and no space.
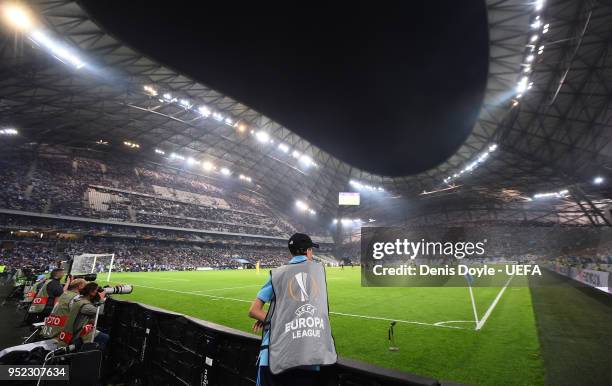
86,276
122,289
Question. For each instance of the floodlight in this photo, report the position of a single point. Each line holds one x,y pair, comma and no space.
208,166
598,180
529,58
159,151
185,103
57,49
284,148
295,154
225,171
8,132
18,17
301,205
204,111
229,122
536,24
306,160
218,116
539,4
522,85
533,38
335,221
262,136
150,90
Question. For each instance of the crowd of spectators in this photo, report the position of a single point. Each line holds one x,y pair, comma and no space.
139,192
140,255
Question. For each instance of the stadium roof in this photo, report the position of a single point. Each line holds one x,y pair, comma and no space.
544,123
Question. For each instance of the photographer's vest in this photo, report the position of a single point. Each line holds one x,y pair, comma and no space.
298,319
29,293
40,301
71,331
55,322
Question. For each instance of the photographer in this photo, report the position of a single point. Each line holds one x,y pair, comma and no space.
46,296
80,323
59,315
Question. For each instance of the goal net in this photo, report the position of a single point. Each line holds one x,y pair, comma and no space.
98,263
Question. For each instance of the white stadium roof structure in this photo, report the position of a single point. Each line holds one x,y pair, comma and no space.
544,126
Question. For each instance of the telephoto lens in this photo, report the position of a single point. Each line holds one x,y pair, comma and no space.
122,289
86,276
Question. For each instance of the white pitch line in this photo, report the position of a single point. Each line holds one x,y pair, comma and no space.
214,297
230,288
453,321
482,321
193,293
396,320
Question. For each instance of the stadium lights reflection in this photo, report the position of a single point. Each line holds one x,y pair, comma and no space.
8,132
225,171
245,178
560,194
18,17
101,142
262,136
159,151
131,145
177,156
472,165
598,180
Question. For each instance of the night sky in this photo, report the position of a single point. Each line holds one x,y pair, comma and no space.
392,88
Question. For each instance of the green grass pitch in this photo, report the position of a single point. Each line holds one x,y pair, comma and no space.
435,331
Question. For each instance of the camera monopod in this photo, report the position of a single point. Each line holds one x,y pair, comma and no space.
392,346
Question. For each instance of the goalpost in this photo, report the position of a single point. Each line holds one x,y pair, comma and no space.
88,263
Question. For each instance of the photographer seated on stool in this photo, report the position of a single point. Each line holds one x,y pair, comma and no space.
80,323
59,315
48,293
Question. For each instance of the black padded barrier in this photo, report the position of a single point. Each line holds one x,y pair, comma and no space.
151,346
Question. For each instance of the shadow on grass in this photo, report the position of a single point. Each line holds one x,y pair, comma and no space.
575,329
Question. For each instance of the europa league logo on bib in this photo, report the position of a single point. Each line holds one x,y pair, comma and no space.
302,287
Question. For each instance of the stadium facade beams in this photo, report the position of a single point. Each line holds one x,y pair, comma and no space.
553,136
